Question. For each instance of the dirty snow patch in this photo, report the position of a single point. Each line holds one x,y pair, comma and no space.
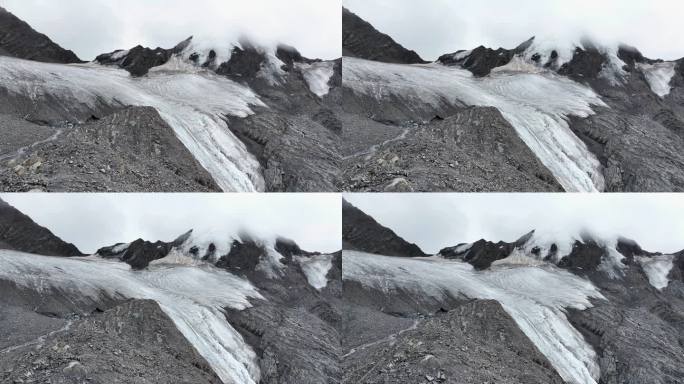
316,269
317,76
657,268
659,76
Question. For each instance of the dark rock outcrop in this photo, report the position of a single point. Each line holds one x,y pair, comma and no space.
18,39
140,253
138,60
361,232
360,39
19,232
482,253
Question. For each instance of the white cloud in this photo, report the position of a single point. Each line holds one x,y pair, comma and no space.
91,27
91,221
435,27
435,221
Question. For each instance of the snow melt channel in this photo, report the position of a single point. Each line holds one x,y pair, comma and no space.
193,297
193,104
537,105
535,297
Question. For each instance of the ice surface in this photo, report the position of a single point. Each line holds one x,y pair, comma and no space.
659,76
657,268
193,297
317,76
535,297
536,104
316,269
192,103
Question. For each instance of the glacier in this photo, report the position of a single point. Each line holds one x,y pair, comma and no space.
536,297
193,297
536,103
194,103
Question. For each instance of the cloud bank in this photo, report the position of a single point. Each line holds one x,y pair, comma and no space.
436,27
91,27
435,221
91,221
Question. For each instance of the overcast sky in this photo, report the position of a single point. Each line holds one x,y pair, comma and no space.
91,221
436,27
435,221
91,27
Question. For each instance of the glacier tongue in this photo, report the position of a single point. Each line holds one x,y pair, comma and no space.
193,297
536,104
536,298
193,104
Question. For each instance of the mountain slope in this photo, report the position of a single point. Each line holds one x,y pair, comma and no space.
361,39
362,232
18,232
18,39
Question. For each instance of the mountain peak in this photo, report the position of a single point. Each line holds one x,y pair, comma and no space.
360,39
18,39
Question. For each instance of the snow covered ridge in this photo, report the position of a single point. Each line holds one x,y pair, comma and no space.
535,296
193,104
523,99
194,297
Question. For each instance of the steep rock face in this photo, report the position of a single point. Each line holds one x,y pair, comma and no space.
18,232
362,40
18,39
481,60
118,152
362,232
